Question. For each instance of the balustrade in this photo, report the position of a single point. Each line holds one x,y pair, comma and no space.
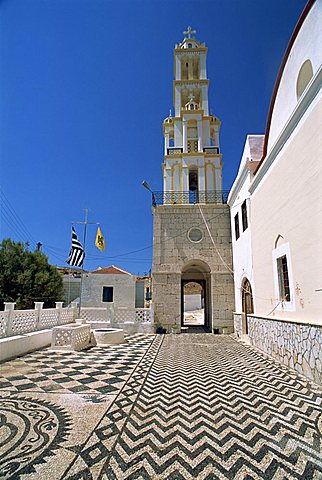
18,322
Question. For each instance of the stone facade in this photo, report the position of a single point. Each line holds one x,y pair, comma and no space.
238,326
299,346
173,250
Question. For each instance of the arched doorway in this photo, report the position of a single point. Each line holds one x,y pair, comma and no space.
195,295
247,303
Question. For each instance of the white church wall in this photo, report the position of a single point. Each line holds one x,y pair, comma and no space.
242,247
287,203
306,46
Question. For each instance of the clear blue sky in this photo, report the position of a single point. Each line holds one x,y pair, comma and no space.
85,86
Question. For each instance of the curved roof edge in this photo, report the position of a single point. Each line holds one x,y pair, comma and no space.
297,28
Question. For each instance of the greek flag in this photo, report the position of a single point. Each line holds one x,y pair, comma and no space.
76,254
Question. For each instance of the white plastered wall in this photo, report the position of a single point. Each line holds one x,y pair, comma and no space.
306,46
242,248
288,202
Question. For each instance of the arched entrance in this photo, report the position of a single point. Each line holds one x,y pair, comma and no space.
247,304
195,295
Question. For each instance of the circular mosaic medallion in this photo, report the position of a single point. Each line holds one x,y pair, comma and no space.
29,431
195,235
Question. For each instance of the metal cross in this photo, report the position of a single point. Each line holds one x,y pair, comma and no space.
189,32
191,97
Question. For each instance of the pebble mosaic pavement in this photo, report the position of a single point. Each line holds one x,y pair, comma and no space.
172,407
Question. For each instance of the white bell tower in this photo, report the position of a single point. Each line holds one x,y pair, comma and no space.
192,256
192,168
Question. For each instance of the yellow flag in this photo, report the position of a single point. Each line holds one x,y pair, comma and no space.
100,242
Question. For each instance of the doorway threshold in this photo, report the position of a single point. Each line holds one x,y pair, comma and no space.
195,329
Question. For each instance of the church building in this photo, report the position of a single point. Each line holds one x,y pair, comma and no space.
192,258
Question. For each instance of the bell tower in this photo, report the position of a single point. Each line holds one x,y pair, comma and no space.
192,159
192,259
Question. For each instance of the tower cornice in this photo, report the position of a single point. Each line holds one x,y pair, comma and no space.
190,52
191,82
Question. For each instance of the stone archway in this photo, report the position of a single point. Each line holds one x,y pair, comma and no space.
196,295
247,304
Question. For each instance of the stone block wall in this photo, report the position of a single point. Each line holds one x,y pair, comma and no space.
173,250
299,346
238,324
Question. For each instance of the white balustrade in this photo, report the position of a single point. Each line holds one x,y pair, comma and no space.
97,314
18,322
115,315
142,315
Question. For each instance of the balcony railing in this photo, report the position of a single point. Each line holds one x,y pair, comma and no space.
212,150
174,150
189,198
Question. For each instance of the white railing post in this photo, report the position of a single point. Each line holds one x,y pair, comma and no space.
38,307
74,306
59,306
9,307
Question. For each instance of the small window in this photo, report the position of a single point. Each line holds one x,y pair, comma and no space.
107,294
283,279
244,215
237,227
304,77
195,235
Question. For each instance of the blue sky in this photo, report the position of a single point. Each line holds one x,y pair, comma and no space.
84,88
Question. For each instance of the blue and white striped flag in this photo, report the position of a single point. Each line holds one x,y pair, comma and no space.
76,254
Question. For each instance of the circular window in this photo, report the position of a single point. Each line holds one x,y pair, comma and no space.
195,235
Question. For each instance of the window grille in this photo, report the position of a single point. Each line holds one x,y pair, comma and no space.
283,279
192,146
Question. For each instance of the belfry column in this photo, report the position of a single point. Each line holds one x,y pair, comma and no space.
200,143
184,135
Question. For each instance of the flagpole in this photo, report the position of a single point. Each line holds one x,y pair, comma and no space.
85,223
84,246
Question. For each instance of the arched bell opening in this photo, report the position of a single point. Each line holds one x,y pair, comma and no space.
247,304
193,185
195,295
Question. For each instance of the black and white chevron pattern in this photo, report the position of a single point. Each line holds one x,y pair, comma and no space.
208,408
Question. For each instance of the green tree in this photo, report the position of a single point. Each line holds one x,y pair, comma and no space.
26,277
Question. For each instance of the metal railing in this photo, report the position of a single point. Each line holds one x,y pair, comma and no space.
189,198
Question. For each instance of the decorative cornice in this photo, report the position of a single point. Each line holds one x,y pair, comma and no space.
303,104
195,83
186,51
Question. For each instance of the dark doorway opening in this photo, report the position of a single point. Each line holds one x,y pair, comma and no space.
247,304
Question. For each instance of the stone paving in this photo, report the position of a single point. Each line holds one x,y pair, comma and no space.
159,407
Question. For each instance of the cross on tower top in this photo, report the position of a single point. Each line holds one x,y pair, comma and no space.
191,97
189,32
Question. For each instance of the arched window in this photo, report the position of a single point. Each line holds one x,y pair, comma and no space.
171,142
247,303
304,76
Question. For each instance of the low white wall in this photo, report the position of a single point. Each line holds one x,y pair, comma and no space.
11,347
